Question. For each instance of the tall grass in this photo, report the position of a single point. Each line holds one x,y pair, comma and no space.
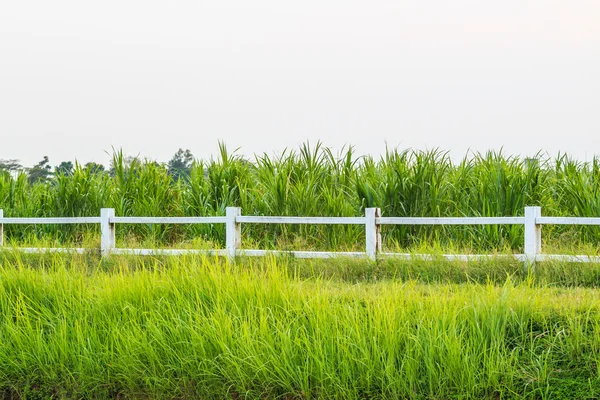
192,327
313,181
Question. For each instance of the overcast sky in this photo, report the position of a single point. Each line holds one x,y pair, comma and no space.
79,77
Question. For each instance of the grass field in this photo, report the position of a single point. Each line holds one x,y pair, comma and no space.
75,326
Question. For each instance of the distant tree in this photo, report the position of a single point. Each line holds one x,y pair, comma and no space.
181,164
10,165
94,168
65,168
40,172
121,163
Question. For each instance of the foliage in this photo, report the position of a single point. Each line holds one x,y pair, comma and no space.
64,168
94,168
181,164
40,172
193,327
10,165
313,181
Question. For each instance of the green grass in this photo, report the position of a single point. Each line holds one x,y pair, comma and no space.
313,181
75,326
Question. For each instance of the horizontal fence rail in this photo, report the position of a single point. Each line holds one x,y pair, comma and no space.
450,221
50,221
372,221
167,220
302,220
567,221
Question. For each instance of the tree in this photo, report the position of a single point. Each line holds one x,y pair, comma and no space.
65,168
181,164
94,167
10,165
40,172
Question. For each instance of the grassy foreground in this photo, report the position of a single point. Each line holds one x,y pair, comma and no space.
194,327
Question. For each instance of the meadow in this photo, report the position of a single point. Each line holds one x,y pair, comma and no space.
75,326
125,327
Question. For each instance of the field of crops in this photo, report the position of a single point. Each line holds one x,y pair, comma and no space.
192,327
313,181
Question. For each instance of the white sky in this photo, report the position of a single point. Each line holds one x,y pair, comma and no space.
79,77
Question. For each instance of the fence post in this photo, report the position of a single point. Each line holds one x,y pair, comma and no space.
1,228
533,234
233,232
107,231
373,232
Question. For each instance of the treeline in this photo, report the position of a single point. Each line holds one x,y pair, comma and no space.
314,181
178,166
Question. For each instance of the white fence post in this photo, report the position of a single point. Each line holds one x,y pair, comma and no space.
233,232
373,232
533,233
107,231
1,228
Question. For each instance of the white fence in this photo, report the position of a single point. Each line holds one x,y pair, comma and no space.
372,221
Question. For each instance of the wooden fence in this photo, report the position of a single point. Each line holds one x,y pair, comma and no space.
372,221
